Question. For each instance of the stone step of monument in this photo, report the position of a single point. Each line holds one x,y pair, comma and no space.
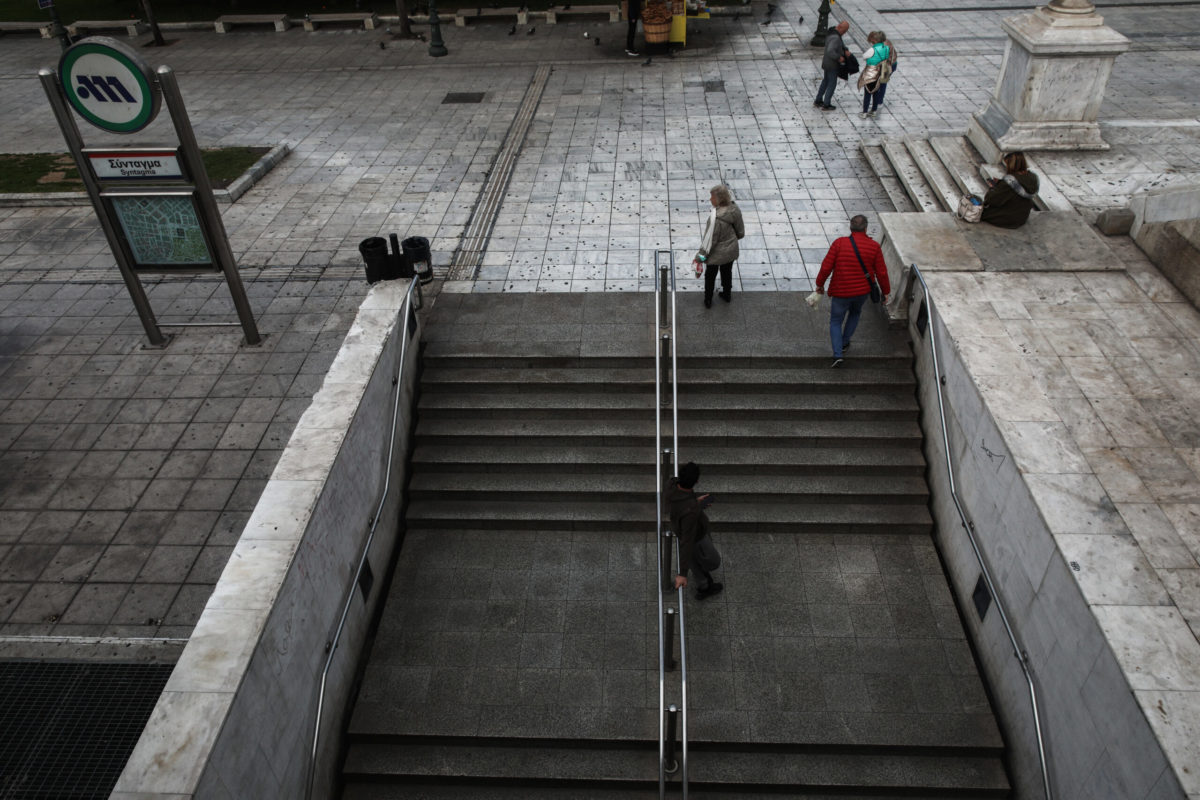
838,517
910,175
945,190
962,161
861,461
887,176
583,766
582,487
1049,196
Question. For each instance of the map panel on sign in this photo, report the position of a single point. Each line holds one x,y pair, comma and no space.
162,230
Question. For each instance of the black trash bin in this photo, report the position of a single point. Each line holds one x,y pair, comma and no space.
401,266
416,252
375,255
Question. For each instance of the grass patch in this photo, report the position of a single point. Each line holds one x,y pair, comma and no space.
25,173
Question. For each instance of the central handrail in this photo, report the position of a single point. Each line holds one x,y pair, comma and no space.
1018,651
665,364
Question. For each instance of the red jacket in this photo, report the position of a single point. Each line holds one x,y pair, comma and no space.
848,278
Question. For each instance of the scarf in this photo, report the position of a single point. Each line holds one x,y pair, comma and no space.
706,242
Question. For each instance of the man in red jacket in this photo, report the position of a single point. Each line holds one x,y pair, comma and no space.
849,287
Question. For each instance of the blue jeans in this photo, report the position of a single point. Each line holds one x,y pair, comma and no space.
828,84
844,310
873,100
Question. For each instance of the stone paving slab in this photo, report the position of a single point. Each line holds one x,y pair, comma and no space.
127,473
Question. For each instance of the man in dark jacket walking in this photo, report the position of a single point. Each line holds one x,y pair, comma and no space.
847,265
689,523
635,13
835,54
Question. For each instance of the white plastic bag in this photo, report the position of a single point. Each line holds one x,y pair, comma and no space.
813,299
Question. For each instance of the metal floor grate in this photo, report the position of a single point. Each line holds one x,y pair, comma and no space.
67,729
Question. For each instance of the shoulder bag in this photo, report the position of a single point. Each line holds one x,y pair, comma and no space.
875,295
970,208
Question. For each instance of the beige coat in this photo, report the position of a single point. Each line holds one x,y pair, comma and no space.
724,248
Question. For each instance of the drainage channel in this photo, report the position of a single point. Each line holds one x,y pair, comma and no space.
469,256
67,729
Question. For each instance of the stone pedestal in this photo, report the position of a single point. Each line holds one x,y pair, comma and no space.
1052,80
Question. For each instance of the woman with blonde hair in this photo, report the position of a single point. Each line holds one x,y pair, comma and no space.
719,247
879,61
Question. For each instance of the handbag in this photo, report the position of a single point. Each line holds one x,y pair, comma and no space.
970,208
875,295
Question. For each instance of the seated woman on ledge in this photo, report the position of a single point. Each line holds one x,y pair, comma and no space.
1010,199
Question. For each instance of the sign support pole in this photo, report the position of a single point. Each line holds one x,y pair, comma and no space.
189,153
53,89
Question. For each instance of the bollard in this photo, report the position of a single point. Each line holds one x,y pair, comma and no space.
669,646
672,763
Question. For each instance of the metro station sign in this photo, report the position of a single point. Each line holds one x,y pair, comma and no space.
136,164
109,84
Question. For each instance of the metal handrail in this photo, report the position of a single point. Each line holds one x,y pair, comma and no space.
331,648
664,297
1019,652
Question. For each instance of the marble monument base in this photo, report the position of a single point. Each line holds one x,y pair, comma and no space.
1052,81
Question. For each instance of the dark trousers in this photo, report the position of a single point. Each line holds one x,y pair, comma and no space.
710,279
828,84
632,31
705,560
872,100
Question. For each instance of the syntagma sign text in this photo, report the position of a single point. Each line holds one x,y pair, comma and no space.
135,166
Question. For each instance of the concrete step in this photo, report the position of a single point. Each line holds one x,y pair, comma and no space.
887,176
545,380
962,161
906,461
909,174
505,355
607,514
578,766
439,378
897,357
730,489
420,790
629,431
945,190
775,405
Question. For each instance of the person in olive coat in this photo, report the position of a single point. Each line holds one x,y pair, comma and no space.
719,248
1008,203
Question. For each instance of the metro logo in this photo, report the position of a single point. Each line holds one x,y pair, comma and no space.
88,88
109,84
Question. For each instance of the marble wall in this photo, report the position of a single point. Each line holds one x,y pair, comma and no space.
1024,484
236,717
